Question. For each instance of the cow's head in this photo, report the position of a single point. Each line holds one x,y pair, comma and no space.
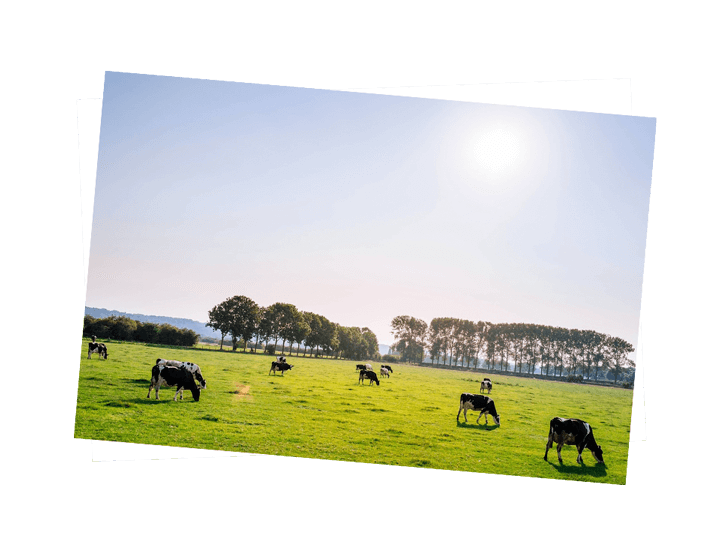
497,419
199,377
195,393
598,454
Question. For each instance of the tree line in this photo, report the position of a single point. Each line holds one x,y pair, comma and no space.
556,352
126,329
243,320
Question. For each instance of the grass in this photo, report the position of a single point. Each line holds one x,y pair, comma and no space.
318,410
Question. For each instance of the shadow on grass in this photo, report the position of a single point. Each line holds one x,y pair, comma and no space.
597,470
475,425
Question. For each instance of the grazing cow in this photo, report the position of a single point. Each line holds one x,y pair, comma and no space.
192,368
573,431
282,367
368,367
389,368
173,376
280,359
482,404
485,385
359,366
384,372
368,374
98,348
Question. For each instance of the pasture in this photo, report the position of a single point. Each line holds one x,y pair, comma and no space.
318,410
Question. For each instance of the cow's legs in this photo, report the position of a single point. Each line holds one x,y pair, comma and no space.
579,458
549,444
149,390
559,447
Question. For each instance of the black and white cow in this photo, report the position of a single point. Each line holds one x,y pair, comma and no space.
173,376
482,404
280,359
282,367
368,367
98,348
573,431
389,368
192,368
485,385
368,374
384,372
359,366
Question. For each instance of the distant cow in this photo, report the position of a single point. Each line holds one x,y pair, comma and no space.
280,359
173,376
359,367
384,372
573,431
98,348
368,374
368,367
282,367
485,385
389,368
482,404
192,368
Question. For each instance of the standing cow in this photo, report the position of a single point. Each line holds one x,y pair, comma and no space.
282,367
173,376
192,368
98,348
370,375
482,404
485,385
573,431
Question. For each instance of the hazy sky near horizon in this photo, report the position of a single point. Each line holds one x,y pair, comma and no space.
361,207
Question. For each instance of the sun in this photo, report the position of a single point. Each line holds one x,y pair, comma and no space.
498,151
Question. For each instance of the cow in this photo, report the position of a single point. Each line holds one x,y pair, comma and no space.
482,404
98,348
368,374
173,376
368,367
280,366
573,431
389,368
192,368
485,385
280,359
359,367
384,372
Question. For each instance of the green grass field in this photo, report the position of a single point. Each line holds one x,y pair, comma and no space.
318,410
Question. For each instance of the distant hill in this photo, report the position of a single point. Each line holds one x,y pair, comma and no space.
195,326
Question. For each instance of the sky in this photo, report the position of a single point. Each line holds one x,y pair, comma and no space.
362,207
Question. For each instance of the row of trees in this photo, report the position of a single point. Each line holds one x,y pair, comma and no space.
125,329
243,320
527,347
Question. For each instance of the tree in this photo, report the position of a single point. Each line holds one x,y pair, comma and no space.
371,343
410,333
297,328
287,319
219,319
313,337
617,357
238,316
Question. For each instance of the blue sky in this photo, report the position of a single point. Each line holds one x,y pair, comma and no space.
362,207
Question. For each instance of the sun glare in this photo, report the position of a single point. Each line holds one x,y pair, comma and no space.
498,151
